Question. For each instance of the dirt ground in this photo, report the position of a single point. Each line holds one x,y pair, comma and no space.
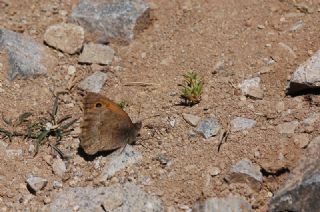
185,35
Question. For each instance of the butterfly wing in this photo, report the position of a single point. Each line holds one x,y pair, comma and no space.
105,125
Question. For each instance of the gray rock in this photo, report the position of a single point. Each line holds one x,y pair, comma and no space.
287,127
57,184
245,172
59,167
113,19
25,56
127,197
191,119
301,191
119,160
228,204
94,82
288,49
163,159
311,119
306,76
68,38
36,183
297,26
252,88
240,124
208,127
96,53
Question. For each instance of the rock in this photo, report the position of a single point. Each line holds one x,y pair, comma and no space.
191,119
208,127
113,19
297,26
240,124
163,159
94,82
303,7
288,49
31,149
306,76
214,171
228,204
119,161
245,172
252,88
301,191
127,197
311,119
68,38
59,167
57,184
25,57
71,70
301,140
3,145
14,152
288,127
219,67
96,53
36,184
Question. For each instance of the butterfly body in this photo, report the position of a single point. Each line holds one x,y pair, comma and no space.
105,125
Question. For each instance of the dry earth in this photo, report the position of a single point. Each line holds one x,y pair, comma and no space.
243,35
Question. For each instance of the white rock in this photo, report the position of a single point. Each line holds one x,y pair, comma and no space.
59,167
66,37
191,119
36,183
252,88
96,53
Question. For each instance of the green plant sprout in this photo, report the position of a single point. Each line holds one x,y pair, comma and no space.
191,89
43,128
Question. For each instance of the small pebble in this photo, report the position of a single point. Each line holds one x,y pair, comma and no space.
71,70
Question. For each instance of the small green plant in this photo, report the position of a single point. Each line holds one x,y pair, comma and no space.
191,89
123,104
42,128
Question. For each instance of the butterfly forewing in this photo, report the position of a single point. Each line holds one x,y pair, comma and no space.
105,125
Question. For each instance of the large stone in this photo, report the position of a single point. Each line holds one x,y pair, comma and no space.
68,38
240,124
301,191
96,53
112,19
228,204
245,172
127,197
24,56
94,82
118,161
208,127
306,76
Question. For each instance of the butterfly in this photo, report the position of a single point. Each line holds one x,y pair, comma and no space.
105,125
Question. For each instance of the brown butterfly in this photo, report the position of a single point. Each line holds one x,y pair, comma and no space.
105,125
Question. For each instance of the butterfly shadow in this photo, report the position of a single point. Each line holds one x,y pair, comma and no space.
87,157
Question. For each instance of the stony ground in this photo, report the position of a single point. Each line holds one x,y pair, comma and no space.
225,42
